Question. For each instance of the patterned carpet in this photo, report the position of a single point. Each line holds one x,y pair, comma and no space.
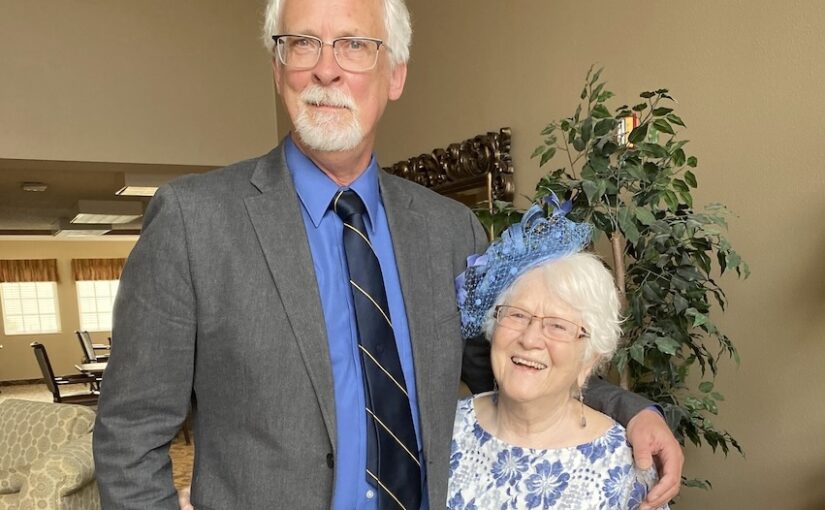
182,455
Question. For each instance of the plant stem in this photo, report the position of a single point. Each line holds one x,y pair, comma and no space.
616,243
567,150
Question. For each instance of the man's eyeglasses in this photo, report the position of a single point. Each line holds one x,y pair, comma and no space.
553,328
301,52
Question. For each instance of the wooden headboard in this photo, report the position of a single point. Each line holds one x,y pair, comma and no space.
476,170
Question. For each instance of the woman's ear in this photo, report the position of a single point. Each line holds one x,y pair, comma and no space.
586,369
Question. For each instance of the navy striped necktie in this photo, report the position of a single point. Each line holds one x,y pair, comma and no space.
393,466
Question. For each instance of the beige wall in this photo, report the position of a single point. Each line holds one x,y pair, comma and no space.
17,361
748,77
153,81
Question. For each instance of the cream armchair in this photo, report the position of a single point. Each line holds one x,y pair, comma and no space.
46,456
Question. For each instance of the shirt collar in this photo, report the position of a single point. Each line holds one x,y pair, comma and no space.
316,190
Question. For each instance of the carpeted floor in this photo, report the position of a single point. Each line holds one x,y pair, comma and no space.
182,455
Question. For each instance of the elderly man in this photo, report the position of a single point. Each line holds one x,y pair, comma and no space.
305,300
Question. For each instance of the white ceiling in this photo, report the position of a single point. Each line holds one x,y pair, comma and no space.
37,213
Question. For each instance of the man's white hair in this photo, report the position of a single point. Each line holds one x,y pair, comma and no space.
582,281
396,24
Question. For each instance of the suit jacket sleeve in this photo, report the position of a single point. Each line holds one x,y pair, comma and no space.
601,395
476,371
619,404
148,383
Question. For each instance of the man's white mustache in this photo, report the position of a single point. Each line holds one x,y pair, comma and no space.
317,95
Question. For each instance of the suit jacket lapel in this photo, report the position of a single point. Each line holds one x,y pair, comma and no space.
278,223
410,243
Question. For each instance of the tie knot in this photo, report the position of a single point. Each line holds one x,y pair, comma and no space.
347,203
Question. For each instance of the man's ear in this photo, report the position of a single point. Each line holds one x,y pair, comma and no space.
397,78
276,73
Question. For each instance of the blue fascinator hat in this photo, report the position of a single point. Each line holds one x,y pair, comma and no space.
537,238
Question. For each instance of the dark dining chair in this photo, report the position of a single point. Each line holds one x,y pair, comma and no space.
90,355
54,383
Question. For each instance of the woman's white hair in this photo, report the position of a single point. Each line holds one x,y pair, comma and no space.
582,281
396,24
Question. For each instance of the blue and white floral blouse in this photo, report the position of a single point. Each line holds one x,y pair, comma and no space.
488,474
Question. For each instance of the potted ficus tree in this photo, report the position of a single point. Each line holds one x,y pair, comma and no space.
635,187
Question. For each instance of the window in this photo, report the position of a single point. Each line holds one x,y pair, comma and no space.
30,308
95,300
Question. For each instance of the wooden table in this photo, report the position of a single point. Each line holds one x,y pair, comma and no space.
92,368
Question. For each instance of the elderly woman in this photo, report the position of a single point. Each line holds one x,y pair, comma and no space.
552,315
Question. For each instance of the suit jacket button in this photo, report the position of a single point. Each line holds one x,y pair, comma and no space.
330,461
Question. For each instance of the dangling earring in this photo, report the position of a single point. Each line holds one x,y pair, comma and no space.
583,420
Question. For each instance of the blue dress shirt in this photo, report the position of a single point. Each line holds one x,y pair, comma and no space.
325,234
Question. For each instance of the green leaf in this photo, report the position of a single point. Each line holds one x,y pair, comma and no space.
653,149
703,261
660,112
628,226
620,360
640,107
680,303
578,144
671,200
594,95
638,134
680,185
690,179
674,119
595,75
647,95
600,111
689,273
547,156
706,387
678,157
644,216
598,164
663,126
692,161
603,127
590,189
718,396
698,319
637,352
602,222
539,150
697,484
586,130
686,197
635,172
667,345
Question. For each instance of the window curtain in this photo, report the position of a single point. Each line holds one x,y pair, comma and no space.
42,270
97,269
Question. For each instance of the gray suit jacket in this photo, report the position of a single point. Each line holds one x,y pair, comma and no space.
219,299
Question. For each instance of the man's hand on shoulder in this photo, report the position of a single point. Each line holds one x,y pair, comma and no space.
183,499
652,440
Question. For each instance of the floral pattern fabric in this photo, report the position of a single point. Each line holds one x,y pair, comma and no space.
489,474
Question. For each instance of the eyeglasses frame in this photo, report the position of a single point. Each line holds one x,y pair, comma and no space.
583,332
276,38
